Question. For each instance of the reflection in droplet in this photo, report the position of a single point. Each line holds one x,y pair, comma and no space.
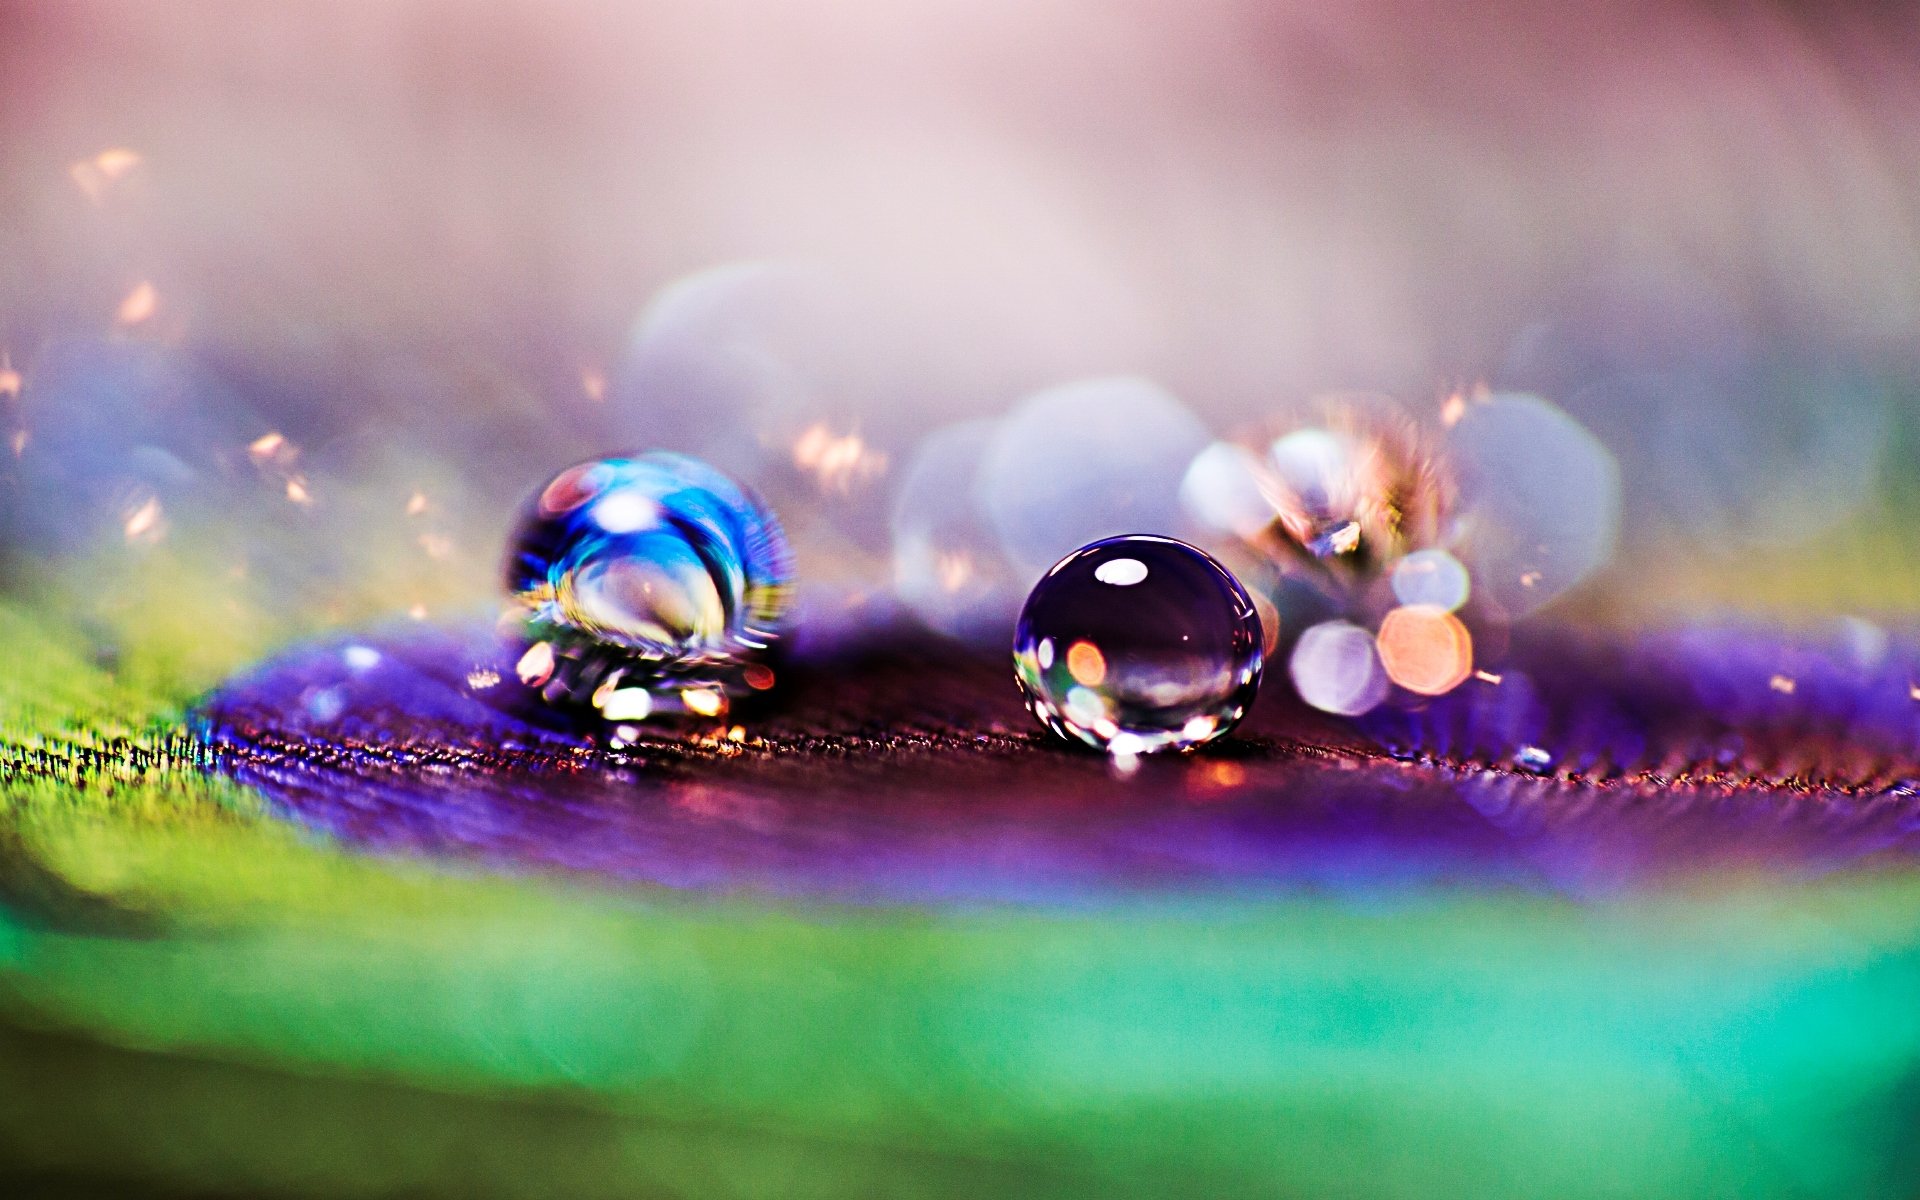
1086,664
536,665
1121,572
360,658
650,572
1336,669
1533,758
626,704
1166,661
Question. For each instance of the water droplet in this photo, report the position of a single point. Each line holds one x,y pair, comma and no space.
1533,758
1136,644
654,572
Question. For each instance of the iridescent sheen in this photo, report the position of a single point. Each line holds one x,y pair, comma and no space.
646,584
1136,644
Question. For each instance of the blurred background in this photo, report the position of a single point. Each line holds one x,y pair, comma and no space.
297,302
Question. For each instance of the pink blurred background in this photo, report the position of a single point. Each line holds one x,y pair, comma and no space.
464,243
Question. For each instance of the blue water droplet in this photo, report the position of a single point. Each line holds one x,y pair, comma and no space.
654,572
1136,644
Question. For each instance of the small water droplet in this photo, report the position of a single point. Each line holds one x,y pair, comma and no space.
1533,758
1137,644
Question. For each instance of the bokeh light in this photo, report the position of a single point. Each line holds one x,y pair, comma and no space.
1087,460
1425,649
948,568
1431,577
1540,500
1335,668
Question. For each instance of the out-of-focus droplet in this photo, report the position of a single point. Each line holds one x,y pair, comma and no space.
948,568
653,572
98,174
1425,649
1762,453
1336,668
1344,491
146,523
1084,461
837,462
1433,578
138,305
1539,500
1137,644
99,428
536,665
1221,488
1722,437
786,372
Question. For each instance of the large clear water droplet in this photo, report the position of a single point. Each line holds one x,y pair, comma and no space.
1138,643
646,585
